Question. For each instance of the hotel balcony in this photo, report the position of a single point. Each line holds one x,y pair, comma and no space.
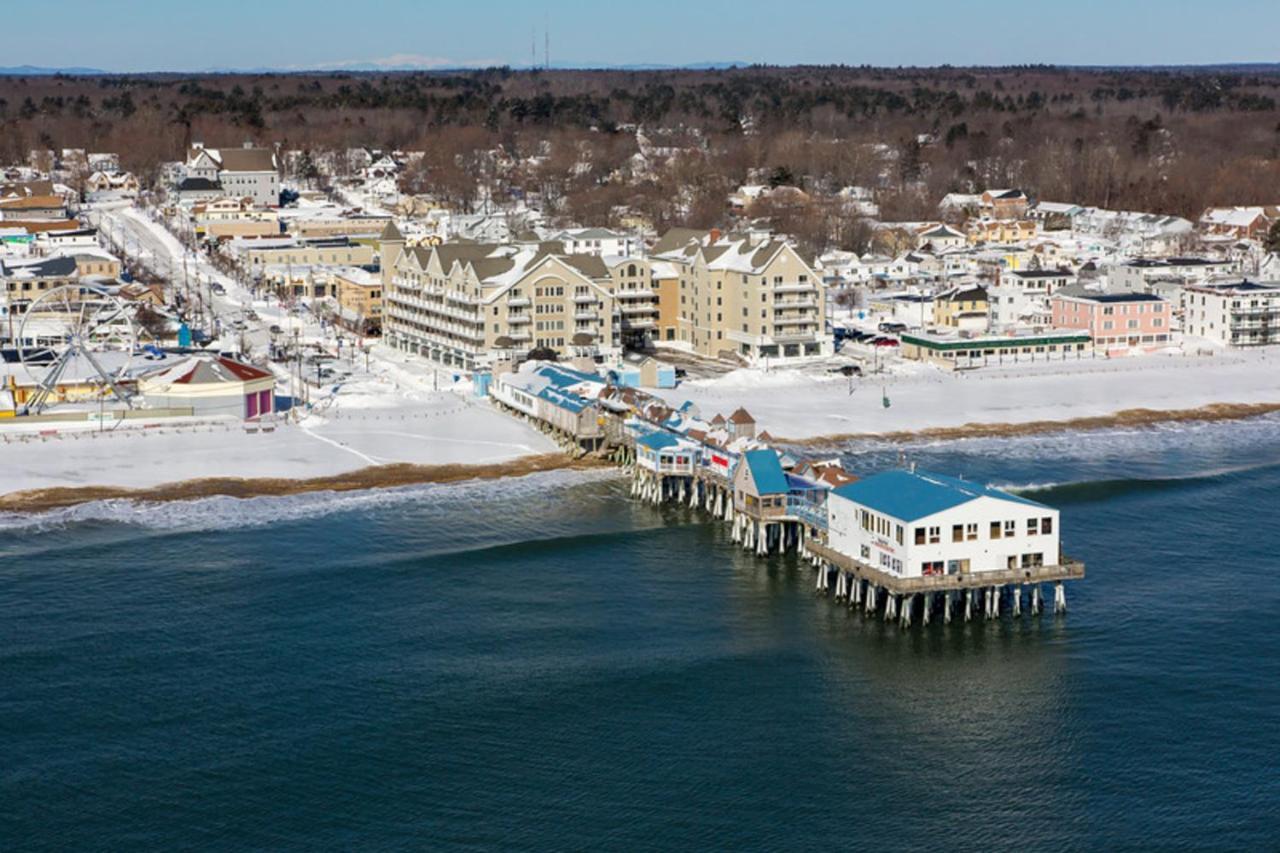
586,315
795,287
516,319
639,309
519,302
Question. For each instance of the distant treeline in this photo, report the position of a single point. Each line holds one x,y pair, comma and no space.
1172,140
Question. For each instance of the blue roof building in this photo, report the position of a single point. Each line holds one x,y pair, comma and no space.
766,472
917,523
910,495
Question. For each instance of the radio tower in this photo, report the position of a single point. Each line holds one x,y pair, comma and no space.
546,43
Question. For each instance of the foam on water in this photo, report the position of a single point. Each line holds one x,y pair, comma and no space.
222,512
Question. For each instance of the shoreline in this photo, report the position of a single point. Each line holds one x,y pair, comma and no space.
31,501
1125,417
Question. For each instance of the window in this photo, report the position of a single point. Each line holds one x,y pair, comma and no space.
957,533
1033,526
1010,529
1046,525
899,534
935,535
995,530
971,532
919,535
934,567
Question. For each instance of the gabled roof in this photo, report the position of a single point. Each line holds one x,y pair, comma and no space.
247,159
391,233
200,371
676,238
766,471
741,416
911,495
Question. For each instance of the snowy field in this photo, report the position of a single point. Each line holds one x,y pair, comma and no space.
432,429
799,405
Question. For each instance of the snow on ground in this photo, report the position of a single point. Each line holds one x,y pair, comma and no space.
429,429
804,405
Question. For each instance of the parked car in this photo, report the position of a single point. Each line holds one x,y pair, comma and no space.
276,330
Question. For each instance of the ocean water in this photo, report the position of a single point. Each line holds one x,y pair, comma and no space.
542,664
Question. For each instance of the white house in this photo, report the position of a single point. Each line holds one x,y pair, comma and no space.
942,238
596,241
1238,314
1021,296
915,523
241,172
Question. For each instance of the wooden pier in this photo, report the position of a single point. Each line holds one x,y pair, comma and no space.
1068,570
766,511
967,595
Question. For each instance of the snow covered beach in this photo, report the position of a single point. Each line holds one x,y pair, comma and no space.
799,407
386,431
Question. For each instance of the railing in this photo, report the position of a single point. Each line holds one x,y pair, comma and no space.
810,513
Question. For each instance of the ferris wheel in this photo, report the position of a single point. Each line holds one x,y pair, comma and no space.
82,329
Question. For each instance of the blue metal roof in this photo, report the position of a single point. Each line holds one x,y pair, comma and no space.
767,472
564,400
657,440
562,377
908,495
800,484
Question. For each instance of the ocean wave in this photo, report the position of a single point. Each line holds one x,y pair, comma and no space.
222,512
1089,491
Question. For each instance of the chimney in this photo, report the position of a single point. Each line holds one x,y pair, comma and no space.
714,235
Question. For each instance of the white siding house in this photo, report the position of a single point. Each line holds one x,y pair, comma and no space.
914,524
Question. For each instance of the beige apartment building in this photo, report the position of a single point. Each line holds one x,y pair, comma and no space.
471,304
632,282
740,296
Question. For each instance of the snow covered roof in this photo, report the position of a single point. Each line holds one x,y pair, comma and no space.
198,370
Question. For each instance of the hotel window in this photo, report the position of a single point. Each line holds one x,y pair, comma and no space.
935,535
957,533
1010,529
971,532
900,535
919,535
1033,526
1046,525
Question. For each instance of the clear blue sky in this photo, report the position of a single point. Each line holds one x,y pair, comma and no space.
132,35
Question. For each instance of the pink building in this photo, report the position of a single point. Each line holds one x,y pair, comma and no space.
1117,322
